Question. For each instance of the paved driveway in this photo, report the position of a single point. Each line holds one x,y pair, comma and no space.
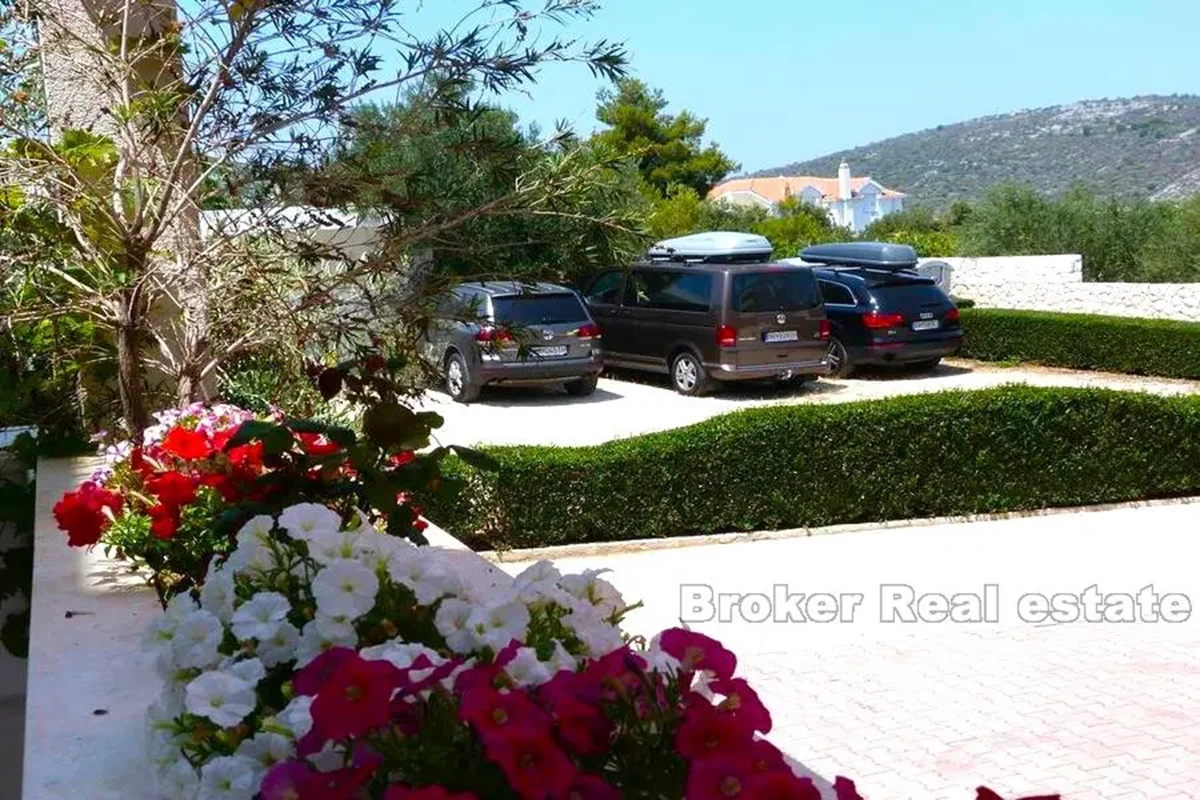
1100,710
621,408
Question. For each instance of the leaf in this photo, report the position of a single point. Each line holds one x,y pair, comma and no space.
476,459
391,425
306,425
341,436
249,431
277,440
329,383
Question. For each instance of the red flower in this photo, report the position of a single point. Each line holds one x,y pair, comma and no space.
845,789
503,715
984,793
781,785
287,780
310,680
696,651
355,699
589,787
402,458
342,784
535,766
720,777
766,757
742,702
186,444
172,488
82,513
573,702
164,521
398,792
706,732
247,455
316,445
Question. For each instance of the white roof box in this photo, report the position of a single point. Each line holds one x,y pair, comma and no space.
713,246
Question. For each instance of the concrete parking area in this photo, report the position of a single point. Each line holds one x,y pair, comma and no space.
636,404
931,707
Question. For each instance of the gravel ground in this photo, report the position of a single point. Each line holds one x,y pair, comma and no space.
637,404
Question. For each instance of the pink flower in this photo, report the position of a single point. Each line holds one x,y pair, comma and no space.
719,778
355,700
984,793
536,767
781,785
743,704
590,787
399,792
316,673
695,651
287,780
845,789
707,732
503,715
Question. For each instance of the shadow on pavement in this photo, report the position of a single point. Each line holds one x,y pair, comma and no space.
740,390
533,397
903,374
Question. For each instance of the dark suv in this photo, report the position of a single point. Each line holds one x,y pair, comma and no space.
507,333
881,311
712,308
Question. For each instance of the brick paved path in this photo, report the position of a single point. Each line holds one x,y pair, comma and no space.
1093,711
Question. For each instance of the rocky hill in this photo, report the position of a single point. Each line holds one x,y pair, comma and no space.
1135,147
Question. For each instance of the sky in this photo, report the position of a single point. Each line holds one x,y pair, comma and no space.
787,80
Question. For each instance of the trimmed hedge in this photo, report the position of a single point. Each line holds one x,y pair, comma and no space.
1166,348
784,467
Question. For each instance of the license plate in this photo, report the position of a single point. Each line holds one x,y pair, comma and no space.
550,352
781,336
926,325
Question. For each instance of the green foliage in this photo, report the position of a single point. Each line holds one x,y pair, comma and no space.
930,234
786,467
683,212
669,149
1165,348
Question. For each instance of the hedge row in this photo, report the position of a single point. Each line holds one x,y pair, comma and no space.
799,466
1167,348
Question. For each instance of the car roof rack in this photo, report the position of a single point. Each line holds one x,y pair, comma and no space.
712,247
874,256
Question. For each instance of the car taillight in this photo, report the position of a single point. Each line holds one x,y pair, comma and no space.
493,335
824,330
589,331
726,336
952,315
875,320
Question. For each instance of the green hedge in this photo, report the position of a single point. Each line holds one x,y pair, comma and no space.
798,466
1083,341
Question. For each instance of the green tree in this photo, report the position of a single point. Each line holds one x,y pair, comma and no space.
795,225
683,212
669,149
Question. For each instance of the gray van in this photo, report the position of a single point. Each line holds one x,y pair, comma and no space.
712,307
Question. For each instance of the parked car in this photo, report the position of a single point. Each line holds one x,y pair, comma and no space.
509,334
880,310
712,307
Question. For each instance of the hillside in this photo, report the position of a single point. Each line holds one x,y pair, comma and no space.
1135,147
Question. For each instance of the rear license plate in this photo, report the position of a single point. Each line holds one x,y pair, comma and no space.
550,352
781,336
926,325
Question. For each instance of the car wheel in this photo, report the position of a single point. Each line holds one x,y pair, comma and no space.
839,360
583,387
458,380
929,365
688,376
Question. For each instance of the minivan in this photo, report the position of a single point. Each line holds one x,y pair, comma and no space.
712,308
880,310
504,333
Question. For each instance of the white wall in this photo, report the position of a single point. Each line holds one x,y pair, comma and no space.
1067,268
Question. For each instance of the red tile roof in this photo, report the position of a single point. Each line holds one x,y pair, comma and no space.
776,189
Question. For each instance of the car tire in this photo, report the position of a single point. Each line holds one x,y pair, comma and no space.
458,380
928,365
583,387
688,376
839,360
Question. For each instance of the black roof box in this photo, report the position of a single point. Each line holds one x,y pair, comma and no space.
874,255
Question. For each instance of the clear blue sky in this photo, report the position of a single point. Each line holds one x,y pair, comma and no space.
787,80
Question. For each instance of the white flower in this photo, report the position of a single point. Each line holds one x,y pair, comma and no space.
253,545
332,756
230,778
221,697
196,641
661,662
280,646
424,571
312,643
560,659
590,588
179,781
303,520
216,596
599,637
345,588
180,606
296,716
338,627
250,670
541,572
267,749
497,625
401,655
259,617
160,633
326,547
526,670
452,620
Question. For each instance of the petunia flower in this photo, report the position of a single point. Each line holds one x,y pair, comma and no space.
260,616
220,697
345,588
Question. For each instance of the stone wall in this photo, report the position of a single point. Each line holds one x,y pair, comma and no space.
1056,269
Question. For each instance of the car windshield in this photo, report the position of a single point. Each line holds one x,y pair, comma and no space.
538,309
775,290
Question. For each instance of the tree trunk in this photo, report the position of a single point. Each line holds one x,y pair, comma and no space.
131,371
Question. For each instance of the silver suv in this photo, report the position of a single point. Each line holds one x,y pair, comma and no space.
505,333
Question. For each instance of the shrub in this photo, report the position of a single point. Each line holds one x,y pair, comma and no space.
804,466
963,302
1167,348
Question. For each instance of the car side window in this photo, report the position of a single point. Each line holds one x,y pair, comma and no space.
670,290
606,289
837,294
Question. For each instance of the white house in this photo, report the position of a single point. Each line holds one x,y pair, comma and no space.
852,203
